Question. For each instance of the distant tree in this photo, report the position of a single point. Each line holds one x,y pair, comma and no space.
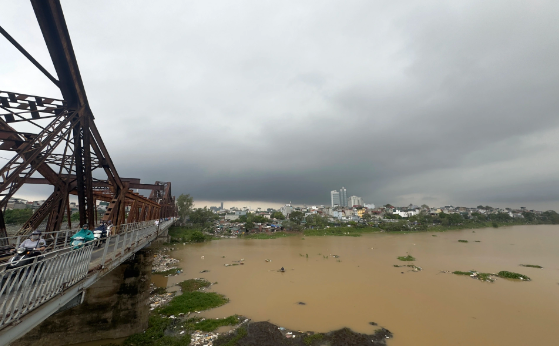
480,207
75,216
424,206
366,216
551,216
316,220
290,225
197,237
388,206
249,225
202,216
296,217
277,215
17,216
184,204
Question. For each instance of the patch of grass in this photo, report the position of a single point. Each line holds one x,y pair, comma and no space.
433,235
272,235
531,266
478,241
479,276
341,231
209,325
462,241
154,335
193,301
511,275
193,285
408,258
187,234
173,271
462,273
310,339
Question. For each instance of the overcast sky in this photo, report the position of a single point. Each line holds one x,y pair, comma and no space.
436,102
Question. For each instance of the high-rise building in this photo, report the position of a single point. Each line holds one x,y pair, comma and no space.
286,210
335,198
343,197
221,206
354,200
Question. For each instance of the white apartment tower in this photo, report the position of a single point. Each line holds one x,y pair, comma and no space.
354,200
335,198
343,197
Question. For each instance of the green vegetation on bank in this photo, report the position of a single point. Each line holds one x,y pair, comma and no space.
310,339
193,301
407,258
154,335
192,285
209,325
272,235
183,234
341,231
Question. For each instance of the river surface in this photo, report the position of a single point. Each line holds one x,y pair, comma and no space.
420,308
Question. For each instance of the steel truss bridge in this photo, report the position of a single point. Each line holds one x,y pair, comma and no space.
55,142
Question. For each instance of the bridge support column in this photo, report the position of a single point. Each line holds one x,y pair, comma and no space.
114,307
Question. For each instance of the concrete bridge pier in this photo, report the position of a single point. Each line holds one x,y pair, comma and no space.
114,307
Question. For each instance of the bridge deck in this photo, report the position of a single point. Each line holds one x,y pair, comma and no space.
30,294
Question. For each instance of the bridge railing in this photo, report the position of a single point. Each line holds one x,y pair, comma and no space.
25,288
61,239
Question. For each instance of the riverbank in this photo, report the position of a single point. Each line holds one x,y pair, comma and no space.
175,320
192,235
391,228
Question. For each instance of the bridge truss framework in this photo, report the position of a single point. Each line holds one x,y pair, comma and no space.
56,142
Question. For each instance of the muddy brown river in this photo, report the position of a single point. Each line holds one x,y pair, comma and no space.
362,285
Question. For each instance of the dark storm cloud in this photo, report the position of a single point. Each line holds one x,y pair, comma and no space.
400,102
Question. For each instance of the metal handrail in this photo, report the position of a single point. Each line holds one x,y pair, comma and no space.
60,239
25,288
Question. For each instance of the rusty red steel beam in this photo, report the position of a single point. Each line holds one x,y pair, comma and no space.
101,183
85,150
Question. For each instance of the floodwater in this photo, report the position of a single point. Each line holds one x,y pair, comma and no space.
420,308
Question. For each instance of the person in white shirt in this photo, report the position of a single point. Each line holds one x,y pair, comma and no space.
34,242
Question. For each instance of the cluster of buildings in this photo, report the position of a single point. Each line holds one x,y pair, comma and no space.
228,224
340,199
20,203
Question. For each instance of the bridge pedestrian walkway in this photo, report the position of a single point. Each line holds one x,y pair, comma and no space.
30,294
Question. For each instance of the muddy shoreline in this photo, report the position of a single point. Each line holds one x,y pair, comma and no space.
248,332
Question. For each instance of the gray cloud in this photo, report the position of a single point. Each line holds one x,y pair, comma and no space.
407,102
